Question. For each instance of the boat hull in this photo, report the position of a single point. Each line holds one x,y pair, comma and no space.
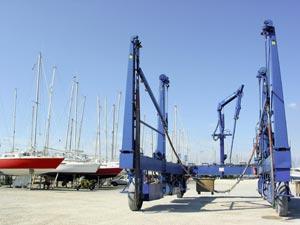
108,172
76,167
24,172
28,165
68,170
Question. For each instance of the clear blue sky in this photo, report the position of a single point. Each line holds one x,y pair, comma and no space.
207,48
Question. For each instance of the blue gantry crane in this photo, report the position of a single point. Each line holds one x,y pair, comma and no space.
273,155
152,177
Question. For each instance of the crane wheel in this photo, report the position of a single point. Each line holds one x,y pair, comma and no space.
134,204
281,202
180,194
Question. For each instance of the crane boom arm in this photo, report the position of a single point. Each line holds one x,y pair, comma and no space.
238,93
221,122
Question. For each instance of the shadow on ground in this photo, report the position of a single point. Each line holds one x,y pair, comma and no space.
196,204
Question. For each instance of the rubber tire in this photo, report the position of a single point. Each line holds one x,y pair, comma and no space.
282,202
134,205
180,194
282,205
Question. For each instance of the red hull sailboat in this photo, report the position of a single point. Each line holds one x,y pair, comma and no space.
19,164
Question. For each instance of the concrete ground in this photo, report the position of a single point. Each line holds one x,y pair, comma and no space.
109,206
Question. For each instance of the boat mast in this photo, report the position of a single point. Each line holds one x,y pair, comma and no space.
117,123
71,135
81,122
32,122
98,137
113,133
70,112
97,131
14,120
46,147
179,143
106,133
37,97
183,144
175,128
76,115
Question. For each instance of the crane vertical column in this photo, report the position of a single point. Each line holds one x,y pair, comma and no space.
273,151
160,152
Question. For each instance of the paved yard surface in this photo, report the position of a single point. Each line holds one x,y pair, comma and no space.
109,206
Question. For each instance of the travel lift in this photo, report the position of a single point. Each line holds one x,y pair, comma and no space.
153,177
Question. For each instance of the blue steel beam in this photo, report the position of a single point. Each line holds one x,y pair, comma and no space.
128,126
273,154
160,152
282,160
222,170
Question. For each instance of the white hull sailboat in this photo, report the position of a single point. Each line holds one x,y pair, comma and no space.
77,167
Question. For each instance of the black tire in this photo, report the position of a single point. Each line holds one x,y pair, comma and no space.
282,202
114,184
282,205
134,204
180,194
199,192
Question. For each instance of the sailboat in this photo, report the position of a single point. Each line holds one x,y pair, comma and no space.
111,168
28,162
75,162
20,164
